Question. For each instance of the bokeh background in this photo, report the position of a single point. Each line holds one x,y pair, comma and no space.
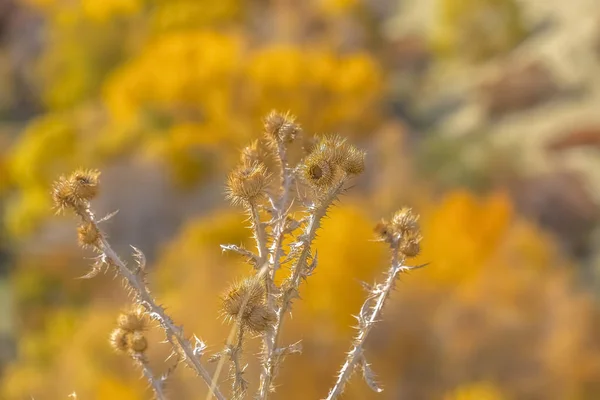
483,115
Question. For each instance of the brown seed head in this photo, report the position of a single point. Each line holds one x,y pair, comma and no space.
64,197
247,183
245,294
248,298
318,172
250,154
84,184
133,321
119,340
410,244
384,231
405,220
88,235
137,342
281,128
261,319
354,162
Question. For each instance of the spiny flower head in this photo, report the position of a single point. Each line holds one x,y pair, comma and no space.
405,220
281,128
403,230
330,160
88,235
248,298
85,183
250,154
75,191
129,335
247,183
133,320
63,196
410,244
119,340
137,342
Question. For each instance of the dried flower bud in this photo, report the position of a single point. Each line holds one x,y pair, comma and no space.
318,172
247,183
249,292
85,183
384,231
133,321
88,235
119,340
410,244
63,196
405,220
261,319
250,154
354,162
137,342
281,128
248,297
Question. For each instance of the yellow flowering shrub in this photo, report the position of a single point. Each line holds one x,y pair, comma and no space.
476,29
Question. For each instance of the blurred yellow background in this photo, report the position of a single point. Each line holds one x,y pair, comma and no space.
480,114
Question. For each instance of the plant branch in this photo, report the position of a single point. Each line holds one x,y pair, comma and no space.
174,333
291,291
156,383
379,294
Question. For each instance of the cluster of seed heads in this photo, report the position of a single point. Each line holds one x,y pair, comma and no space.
256,304
129,335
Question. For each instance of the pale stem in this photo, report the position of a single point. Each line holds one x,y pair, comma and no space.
157,384
356,353
157,312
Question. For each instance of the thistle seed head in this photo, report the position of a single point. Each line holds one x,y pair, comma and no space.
247,183
281,128
405,220
119,340
410,244
133,321
85,183
88,235
75,191
318,172
248,298
137,342
250,154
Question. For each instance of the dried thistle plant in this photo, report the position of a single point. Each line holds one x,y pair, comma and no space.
291,206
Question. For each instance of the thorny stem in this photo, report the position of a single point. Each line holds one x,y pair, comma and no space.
294,282
275,253
157,384
173,332
239,383
354,356
259,234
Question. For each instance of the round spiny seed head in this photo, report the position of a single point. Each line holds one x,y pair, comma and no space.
119,340
250,154
318,172
84,184
354,161
384,231
64,197
410,244
281,127
247,183
88,235
405,220
243,297
261,319
137,342
133,321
